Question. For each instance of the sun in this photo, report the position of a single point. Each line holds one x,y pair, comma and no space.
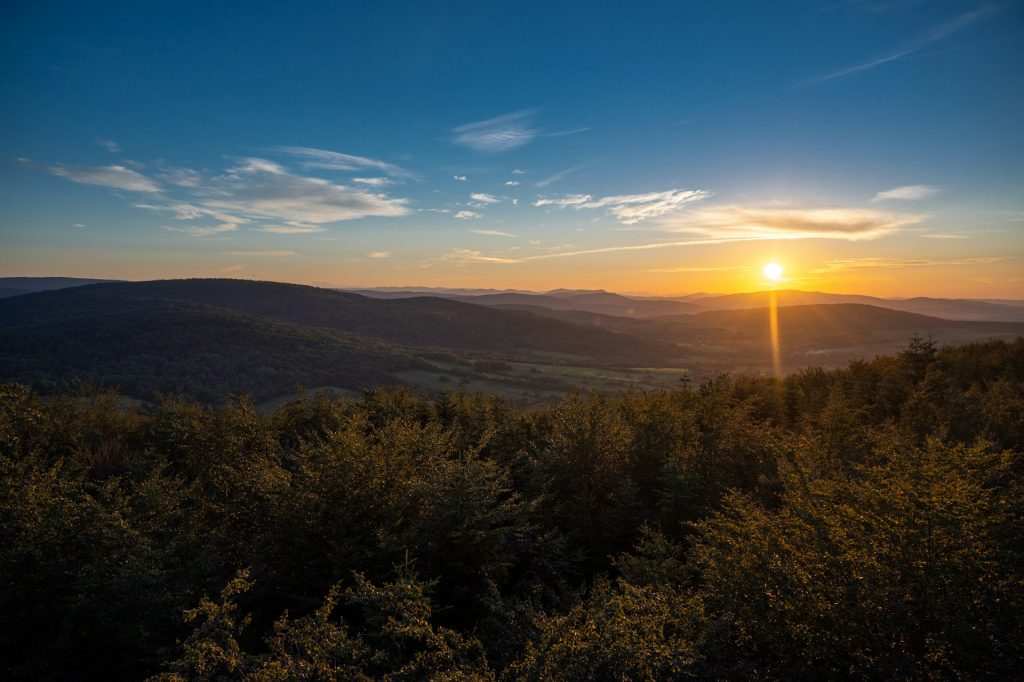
773,271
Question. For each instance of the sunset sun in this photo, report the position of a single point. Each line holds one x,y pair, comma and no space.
773,272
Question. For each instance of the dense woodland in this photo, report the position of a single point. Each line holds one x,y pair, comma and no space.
862,523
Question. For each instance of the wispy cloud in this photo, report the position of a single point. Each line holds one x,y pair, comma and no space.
518,171
186,211
117,177
494,233
929,37
484,198
631,208
109,145
900,263
182,177
907,193
564,200
552,179
261,189
470,256
753,222
291,229
512,183
202,230
374,182
466,256
685,268
460,178
262,254
497,134
253,190
940,235
329,160
78,225
466,215
563,133
379,254
733,224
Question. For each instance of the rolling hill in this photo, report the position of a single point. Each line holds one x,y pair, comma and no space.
208,338
647,307
952,309
599,302
421,321
16,286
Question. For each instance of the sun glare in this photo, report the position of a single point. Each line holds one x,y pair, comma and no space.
773,271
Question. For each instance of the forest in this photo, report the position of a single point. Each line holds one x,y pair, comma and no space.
861,522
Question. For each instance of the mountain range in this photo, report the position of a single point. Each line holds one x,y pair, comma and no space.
209,338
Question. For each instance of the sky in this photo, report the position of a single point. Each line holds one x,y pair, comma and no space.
867,146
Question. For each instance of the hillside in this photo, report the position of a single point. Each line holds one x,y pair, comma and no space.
421,321
645,536
598,302
952,309
210,338
647,307
846,318
186,349
15,286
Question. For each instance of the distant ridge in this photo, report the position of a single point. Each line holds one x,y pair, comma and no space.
420,321
16,286
208,338
602,302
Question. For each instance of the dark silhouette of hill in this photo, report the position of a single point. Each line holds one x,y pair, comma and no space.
599,302
851,318
207,338
643,307
420,321
953,309
162,335
15,286
173,347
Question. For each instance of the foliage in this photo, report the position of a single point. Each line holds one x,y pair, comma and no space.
864,522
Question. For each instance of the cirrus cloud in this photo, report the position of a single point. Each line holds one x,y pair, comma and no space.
870,263
262,254
631,208
907,193
751,222
494,233
116,176
497,134
202,230
328,160
291,229
261,189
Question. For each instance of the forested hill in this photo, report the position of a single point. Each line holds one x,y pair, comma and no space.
17,286
861,523
422,321
207,339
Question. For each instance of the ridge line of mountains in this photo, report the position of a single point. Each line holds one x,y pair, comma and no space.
622,305
209,338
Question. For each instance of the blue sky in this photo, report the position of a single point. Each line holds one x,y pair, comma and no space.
867,145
